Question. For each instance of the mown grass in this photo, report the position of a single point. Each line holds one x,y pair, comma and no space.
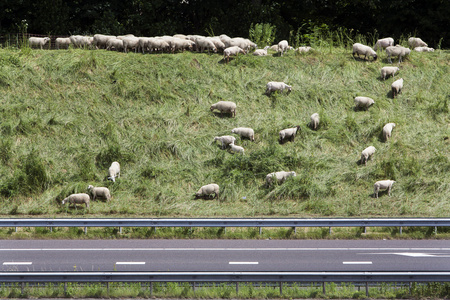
66,115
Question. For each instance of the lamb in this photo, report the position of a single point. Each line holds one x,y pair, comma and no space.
261,52
232,51
62,42
101,192
361,49
414,42
274,47
207,190
225,140
288,133
38,41
397,51
114,171
75,199
397,87
225,106
280,177
244,132
387,131
283,46
383,185
388,71
314,121
236,149
363,102
384,43
366,154
100,40
423,49
116,44
204,43
273,86
303,49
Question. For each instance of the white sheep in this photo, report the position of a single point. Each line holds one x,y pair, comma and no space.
283,46
315,119
303,49
280,177
75,199
387,130
261,52
100,40
288,133
383,185
273,86
361,49
114,44
232,51
130,43
414,42
244,132
388,71
158,44
100,192
236,149
363,102
220,46
62,43
384,43
242,43
225,140
204,43
397,51
366,154
225,106
423,49
38,41
274,48
114,171
397,87
207,190
80,41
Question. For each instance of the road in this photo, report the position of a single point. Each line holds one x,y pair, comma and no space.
225,255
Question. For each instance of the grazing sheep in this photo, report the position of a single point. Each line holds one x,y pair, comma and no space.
303,49
288,133
114,171
366,154
236,149
397,87
384,43
100,40
207,190
114,44
220,46
280,177
314,124
75,199
244,132
361,49
397,51
38,41
204,43
424,49
273,86
62,43
363,102
387,131
261,52
80,41
101,192
388,71
414,42
283,46
225,106
225,140
383,185
130,43
232,51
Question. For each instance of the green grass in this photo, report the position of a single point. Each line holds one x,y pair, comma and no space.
66,115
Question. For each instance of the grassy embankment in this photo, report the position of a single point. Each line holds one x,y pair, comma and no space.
66,115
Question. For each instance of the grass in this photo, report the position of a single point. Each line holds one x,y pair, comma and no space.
66,115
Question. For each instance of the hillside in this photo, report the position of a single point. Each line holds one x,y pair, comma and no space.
66,115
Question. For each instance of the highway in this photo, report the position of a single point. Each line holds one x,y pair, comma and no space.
224,255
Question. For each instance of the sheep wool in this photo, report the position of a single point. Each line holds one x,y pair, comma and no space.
397,87
225,107
99,192
315,121
288,134
388,71
363,102
280,177
366,154
360,49
207,190
383,185
387,130
273,86
244,132
75,199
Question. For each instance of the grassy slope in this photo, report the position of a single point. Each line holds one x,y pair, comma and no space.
66,115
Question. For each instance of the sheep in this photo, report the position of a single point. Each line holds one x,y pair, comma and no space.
261,52
62,42
116,44
75,199
225,106
279,176
288,133
114,171
158,44
244,132
397,51
383,185
424,49
274,47
207,190
38,41
283,46
303,49
414,42
388,71
100,40
130,42
80,41
361,49
225,140
314,121
232,51
236,149
242,43
387,131
366,154
180,44
101,192
384,43
397,87
363,102
217,42
273,86
204,43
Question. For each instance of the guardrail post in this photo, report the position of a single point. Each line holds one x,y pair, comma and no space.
401,230
260,230
51,229
367,289
193,286
120,230
22,288
151,288
237,288
435,230
295,229
330,230
107,287
16,229
85,230
281,288
365,229
65,288
323,288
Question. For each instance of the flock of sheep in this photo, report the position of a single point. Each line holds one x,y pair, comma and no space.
232,47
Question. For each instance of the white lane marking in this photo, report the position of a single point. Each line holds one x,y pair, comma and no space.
357,262
12,263
228,249
243,263
130,263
